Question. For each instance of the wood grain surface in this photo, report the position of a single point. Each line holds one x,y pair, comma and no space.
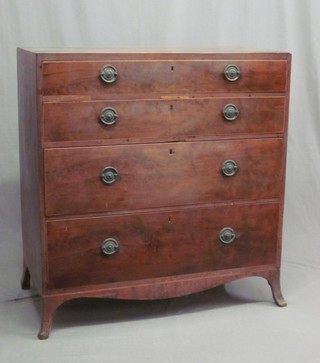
140,78
159,175
150,120
160,244
171,199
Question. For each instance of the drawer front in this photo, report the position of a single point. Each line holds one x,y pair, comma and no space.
129,121
160,175
160,244
164,77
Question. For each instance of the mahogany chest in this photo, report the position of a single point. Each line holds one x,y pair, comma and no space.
150,175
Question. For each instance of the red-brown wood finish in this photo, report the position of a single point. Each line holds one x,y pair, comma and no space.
171,199
176,119
162,77
160,175
156,244
30,172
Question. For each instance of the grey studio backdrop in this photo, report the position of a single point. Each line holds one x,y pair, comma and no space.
271,25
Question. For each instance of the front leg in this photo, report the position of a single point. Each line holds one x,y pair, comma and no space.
274,282
49,304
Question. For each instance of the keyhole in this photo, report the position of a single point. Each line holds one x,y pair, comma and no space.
169,219
171,151
171,107
172,68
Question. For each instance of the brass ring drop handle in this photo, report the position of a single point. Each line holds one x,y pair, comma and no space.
231,72
227,235
230,112
109,246
109,175
229,168
108,116
108,74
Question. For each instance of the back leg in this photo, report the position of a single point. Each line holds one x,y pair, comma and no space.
25,279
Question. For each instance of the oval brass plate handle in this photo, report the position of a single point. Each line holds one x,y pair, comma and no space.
232,72
229,168
109,175
109,246
108,74
227,235
108,116
230,112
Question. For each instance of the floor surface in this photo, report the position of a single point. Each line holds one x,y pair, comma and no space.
235,323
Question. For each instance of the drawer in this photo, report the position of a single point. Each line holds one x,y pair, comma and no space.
140,79
160,175
160,244
136,120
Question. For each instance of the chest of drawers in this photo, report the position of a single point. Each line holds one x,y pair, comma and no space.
150,175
